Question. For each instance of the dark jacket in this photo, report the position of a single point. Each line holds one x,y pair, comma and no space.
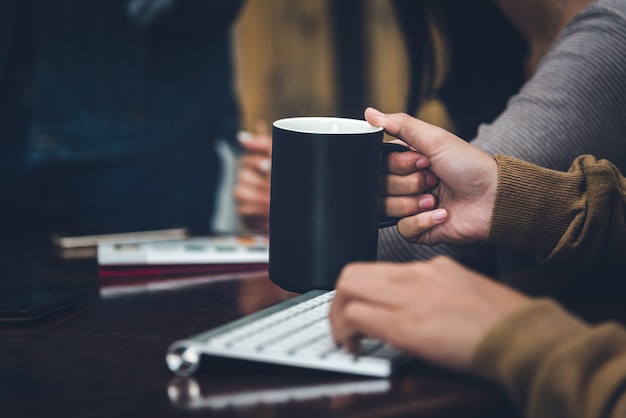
109,110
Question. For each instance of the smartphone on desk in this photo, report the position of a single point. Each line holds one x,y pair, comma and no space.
21,305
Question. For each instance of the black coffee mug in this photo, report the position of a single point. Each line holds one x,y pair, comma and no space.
324,203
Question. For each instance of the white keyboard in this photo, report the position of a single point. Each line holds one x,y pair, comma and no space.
295,332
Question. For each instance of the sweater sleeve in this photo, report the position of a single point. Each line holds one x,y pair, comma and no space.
576,217
575,102
554,365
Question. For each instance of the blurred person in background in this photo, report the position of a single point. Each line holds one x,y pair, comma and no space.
117,115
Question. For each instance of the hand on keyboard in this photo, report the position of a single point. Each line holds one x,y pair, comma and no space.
295,332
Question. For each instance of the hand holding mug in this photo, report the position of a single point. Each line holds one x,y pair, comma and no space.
467,184
325,199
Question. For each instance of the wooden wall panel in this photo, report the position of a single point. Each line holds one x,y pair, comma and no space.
284,60
388,72
286,57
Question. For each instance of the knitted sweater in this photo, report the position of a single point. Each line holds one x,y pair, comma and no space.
551,363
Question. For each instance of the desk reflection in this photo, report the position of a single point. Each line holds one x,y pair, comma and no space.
186,393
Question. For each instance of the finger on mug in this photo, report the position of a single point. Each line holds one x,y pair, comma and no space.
412,228
402,163
414,183
418,134
405,206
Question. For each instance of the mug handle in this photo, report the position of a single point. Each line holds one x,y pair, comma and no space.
389,147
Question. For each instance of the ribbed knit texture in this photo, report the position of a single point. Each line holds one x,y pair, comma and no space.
528,192
575,218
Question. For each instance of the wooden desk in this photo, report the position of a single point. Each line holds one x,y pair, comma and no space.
107,359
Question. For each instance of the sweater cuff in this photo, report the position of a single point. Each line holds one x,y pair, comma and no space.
524,215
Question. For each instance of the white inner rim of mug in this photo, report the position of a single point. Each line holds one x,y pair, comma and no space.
326,125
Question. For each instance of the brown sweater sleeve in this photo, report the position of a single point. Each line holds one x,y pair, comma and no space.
575,217
554,365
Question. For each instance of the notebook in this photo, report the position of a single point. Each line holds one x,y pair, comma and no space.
193,255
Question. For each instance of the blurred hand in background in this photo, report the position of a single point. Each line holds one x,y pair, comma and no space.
252,190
